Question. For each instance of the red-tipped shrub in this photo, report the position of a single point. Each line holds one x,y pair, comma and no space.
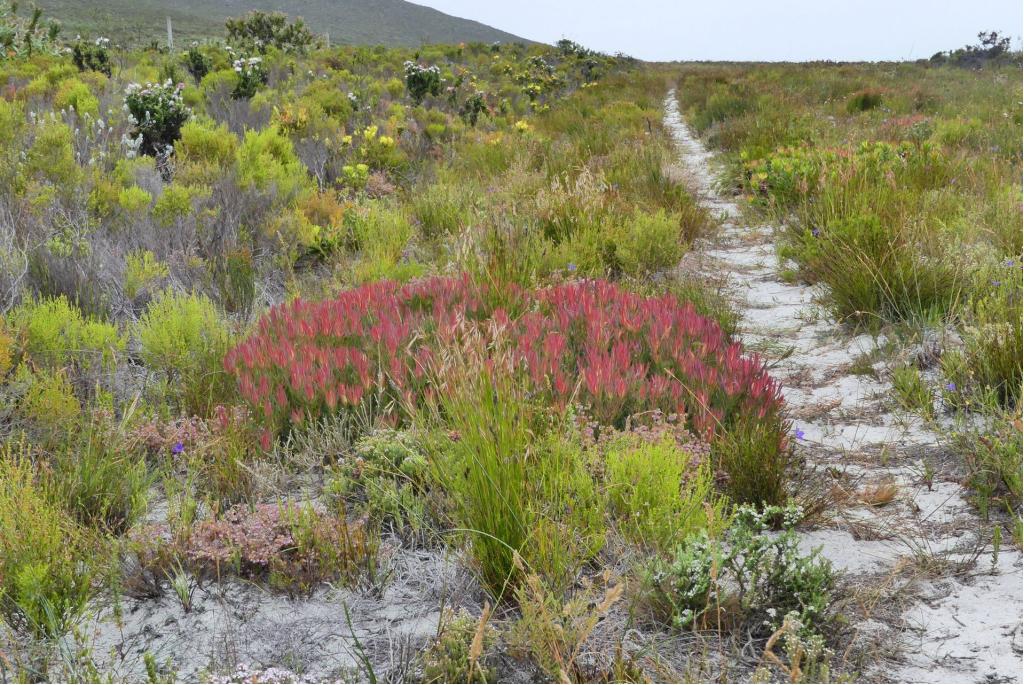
590,342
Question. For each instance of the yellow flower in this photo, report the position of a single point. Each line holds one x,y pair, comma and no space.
346,140
370,132
387,141
522,126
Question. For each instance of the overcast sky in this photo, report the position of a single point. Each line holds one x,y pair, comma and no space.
769,30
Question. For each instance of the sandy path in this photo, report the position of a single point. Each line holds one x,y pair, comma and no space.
954,613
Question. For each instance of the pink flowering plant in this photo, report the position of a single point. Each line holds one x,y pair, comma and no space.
588,342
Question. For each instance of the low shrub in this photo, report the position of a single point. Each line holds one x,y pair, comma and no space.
185,338
659,494
387,474
460,652
157,113
617,351
292,546
750,575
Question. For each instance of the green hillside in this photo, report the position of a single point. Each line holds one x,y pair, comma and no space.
388,22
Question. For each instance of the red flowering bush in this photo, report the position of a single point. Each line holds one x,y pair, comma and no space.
590,342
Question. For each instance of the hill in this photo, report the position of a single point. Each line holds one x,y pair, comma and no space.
387,22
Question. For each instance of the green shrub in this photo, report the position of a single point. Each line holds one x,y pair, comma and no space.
197,63
422,81
142,270
660,494
56,333
185,337
73,94
261,31
159,113
92,56
863,100
45,568
251,77
752,573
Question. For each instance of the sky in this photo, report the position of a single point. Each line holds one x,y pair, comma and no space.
768,30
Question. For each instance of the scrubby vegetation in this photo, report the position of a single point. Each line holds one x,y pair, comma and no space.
287,312
899,190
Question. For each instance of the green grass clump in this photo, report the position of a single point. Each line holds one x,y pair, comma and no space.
46,571
99,479
519,487
756,467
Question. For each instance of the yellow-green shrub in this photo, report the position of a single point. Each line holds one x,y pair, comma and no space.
175,202
185,337
141,270
49,401
55,332
660,494
133,199
52,157
73,94
267,159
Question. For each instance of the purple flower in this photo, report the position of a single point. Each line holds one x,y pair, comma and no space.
996,283
571,267
178,448
951,386
816,232
799,434
1010,262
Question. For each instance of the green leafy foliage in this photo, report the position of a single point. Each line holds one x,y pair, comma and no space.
750,572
